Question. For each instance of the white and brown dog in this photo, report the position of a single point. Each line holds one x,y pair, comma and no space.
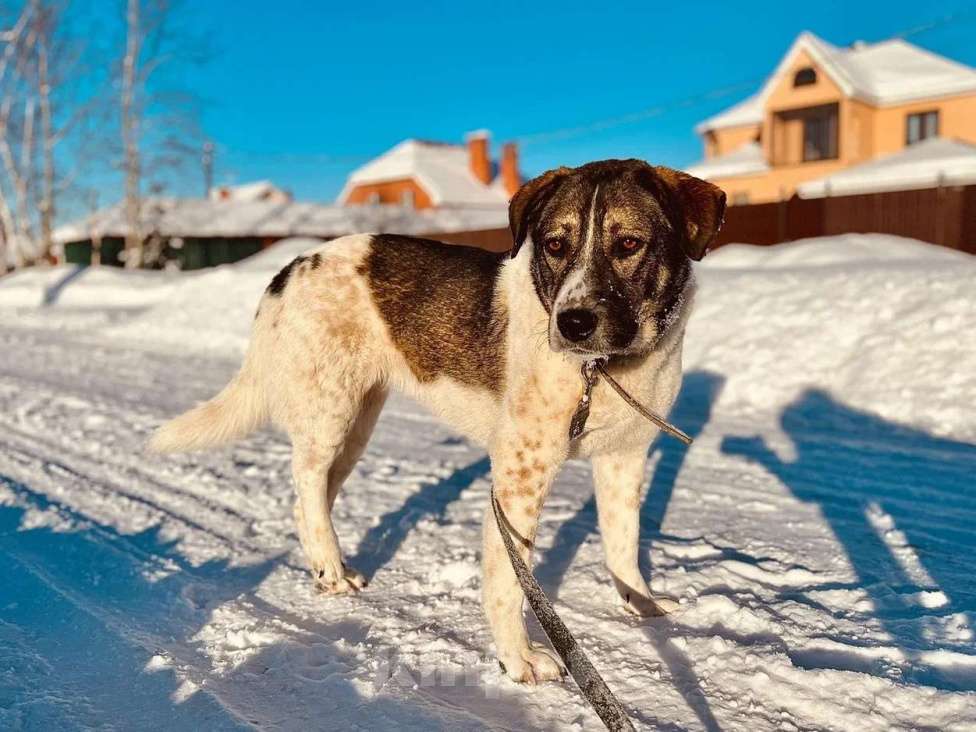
600,266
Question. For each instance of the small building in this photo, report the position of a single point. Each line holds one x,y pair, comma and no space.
419,174
826,109
205,232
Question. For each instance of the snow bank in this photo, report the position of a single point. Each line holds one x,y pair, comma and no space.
843,250
886,322
212,311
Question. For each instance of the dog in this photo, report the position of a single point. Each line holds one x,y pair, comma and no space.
492,344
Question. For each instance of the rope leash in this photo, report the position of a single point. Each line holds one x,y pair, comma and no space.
587,678
659,422
590,683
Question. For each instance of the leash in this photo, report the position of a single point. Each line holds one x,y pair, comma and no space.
587,678
661,423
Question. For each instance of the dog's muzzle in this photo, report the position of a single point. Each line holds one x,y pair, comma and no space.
591,330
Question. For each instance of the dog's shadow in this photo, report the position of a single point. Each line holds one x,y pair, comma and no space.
380,544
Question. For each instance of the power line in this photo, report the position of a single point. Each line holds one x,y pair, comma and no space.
566,133
570,132
938,23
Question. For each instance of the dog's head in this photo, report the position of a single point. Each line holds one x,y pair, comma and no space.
611,243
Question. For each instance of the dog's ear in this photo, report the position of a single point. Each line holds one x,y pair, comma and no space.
701,208
528,200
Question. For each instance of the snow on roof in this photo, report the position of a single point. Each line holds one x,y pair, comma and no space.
203,218
925,164
886,73
747,112
256,191
441,169
744,160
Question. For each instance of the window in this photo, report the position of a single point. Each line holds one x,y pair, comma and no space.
805,77
740,199
373,198
921,126
820,133
408,199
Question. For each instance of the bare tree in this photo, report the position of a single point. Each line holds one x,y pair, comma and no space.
164,114
54,90
130,135
13,186
40,106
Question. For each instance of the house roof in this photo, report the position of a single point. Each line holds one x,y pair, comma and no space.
743,160
205,218
882,74
441,169
926,164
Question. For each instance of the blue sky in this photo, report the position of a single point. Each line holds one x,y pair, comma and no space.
301,92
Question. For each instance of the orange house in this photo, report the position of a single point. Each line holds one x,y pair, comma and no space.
827,109
420,174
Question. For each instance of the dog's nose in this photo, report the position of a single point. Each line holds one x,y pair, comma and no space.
576,324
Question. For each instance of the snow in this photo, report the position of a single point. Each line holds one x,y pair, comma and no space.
744,160
882,74
925,164
897,72
747,112
818,530
441,169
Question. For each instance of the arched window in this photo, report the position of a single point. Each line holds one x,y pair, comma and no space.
805,77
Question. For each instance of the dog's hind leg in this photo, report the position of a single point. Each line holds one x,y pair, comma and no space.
323,456
356,440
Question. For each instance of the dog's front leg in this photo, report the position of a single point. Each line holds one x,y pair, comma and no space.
523,468
618,478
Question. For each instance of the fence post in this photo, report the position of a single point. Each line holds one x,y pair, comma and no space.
940,195
781,214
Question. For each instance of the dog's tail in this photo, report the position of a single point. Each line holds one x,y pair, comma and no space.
235,412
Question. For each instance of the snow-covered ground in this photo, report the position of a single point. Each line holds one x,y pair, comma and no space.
818,530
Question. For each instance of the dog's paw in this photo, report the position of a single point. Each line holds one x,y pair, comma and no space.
329,584
646,607
533,665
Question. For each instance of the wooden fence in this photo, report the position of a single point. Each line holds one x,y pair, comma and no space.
945,216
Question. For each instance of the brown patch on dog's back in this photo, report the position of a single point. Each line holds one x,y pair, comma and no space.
438,303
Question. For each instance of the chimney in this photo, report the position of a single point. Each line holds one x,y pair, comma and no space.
478,159
511,178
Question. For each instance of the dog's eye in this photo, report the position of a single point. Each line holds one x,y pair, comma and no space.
555,246
627,245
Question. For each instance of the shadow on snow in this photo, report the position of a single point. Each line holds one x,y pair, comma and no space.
889,493
84,609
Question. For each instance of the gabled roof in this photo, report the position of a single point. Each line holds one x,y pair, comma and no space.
926,164
743,160
882,74
440,169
